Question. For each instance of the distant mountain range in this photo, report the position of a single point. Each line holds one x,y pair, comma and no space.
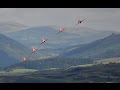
107,47
6,27
11,51
56,42
75,42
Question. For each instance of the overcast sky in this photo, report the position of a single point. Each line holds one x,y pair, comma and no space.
97,18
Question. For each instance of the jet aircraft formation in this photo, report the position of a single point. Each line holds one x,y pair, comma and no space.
44,40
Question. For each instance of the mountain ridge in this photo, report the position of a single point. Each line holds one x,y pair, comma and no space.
11,51
99,48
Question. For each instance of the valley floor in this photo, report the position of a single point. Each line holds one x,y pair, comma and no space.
100,73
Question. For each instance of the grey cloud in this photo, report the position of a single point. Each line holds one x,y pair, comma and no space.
98,18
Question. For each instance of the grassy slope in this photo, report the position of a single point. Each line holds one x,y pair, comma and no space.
108,61
90,73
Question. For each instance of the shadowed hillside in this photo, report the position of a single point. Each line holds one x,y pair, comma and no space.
104,48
